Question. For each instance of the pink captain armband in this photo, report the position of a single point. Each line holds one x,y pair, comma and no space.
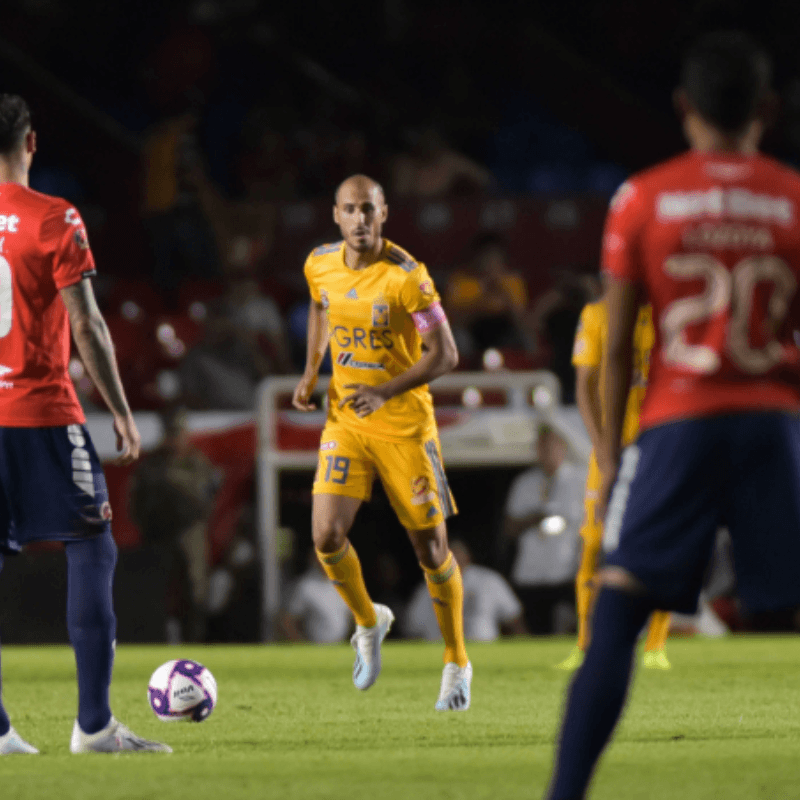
429,318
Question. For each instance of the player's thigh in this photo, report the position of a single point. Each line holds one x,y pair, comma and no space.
665,509
413,475
54,485
763,511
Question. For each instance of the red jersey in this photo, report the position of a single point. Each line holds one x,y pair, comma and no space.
713,242
43,248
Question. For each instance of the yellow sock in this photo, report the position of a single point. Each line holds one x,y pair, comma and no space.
344,569
658,630
584,586
447,594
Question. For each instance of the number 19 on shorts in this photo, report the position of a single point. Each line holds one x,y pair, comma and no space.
336,469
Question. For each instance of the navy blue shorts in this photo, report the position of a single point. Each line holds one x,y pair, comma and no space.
681,481
52,487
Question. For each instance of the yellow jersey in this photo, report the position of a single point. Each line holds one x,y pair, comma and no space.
373,336
590,350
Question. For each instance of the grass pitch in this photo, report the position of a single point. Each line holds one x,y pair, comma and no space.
724,723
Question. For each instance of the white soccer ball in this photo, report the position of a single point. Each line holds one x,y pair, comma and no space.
182,690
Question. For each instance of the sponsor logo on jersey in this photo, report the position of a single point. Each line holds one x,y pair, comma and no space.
432,512
426,287
4,370
421,491
328,446
361,337
72,217
738,204
347,359
352,295
9,223
380,312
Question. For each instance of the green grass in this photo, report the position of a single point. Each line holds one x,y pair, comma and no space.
724,723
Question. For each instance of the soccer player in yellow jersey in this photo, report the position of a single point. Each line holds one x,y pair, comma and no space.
378,310
588,357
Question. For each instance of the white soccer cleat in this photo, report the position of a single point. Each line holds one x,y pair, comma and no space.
367,644
114,738
13,744
455,694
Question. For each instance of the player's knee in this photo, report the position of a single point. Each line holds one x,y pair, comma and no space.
329,535
430,545
619,578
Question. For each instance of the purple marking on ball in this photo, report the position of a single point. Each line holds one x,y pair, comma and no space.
159,701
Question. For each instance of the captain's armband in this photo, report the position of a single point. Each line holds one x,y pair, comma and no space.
429,318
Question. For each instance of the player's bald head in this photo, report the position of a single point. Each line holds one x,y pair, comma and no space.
358,187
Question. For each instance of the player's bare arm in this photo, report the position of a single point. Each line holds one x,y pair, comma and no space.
623,306
97,352
317,347
439,356
587,394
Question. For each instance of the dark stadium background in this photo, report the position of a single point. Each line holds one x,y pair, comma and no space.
559,102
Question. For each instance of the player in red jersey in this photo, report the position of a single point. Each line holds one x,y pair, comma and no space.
711,240
52,486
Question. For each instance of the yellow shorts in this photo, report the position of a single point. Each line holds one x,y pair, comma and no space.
411,473
592,528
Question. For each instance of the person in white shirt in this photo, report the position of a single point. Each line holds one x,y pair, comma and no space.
490,605
315,612
543,513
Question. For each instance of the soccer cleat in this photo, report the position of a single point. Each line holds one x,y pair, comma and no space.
455,692
656,659
573,661
114,738
12,743
367,644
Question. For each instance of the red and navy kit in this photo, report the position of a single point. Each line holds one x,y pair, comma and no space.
51,482
712,242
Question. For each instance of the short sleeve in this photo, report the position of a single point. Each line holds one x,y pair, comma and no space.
308,271
587,350
64,233
621,255
418,291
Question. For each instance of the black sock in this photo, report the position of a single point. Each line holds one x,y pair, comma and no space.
597,694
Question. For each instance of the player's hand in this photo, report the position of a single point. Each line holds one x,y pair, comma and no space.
364,400
129,443
300,399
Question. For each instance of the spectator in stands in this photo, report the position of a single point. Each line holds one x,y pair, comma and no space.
224,369
553,321
180,226
432,169
486,301
490,605
543,513
257,315
171,501
314,611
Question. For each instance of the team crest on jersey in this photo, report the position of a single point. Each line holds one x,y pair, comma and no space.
80,239
380,312
426,287
421,491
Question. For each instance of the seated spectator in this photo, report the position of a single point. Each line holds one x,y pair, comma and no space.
224,369
543,514
433,169
258,315
490,605
485,302
314,611
171,501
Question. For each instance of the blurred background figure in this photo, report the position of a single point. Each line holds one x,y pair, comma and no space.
543,513
486,300
314,611
171,501
223,370
431,168
490,606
